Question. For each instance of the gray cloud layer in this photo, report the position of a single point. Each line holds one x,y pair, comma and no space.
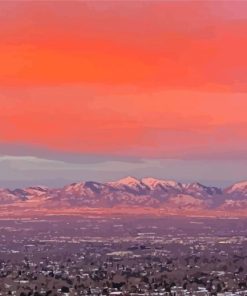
18,171
22,165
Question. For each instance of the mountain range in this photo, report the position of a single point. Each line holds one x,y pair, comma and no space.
131,193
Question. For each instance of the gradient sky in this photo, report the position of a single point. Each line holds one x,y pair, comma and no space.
100,90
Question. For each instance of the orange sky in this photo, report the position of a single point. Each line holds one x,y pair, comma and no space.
147,79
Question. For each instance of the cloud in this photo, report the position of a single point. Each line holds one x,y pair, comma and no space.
121,126
28,170
31,163
19,150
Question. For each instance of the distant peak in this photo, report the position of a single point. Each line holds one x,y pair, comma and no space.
154,182
194,185
151,180
38,187
75,185
197,184
238,186
128,181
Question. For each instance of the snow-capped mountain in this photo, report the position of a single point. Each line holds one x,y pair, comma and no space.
8,197
130,184
130,191
236,197
154,184
237,189
197,189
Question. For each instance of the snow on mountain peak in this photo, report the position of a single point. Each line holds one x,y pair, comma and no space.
240,186
74,186
130,184
37,190
128,181
146,192
152,182
195,185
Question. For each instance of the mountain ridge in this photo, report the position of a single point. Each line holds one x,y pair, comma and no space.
131,192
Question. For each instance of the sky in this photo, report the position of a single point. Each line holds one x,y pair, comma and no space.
98,90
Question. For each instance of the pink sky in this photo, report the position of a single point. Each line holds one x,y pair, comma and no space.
153,80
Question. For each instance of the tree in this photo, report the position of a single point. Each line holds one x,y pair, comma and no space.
65,289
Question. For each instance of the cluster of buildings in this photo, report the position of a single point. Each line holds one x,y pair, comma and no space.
53,258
